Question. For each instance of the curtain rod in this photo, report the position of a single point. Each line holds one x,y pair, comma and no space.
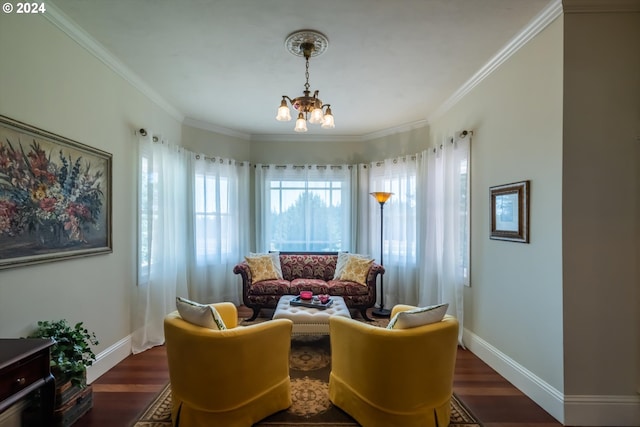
143,132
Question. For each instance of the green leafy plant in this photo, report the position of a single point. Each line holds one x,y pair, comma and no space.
71,353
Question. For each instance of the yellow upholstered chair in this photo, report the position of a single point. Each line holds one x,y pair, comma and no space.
233,377
393,377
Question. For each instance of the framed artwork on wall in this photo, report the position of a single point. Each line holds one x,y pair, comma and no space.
510,212
55,197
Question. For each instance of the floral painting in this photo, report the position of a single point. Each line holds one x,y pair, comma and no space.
54,196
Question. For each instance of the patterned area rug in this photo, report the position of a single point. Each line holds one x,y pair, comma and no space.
309,368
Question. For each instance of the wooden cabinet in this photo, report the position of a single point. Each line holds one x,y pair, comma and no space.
24,367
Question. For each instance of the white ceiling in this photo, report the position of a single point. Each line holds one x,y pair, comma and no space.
223,64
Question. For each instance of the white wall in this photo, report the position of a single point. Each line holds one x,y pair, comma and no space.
601,216
350,151
50,82
513,309
214,144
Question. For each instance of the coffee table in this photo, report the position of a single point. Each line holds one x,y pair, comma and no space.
307,320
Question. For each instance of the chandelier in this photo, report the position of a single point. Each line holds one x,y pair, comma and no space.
310,108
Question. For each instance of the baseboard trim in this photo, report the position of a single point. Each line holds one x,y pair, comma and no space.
570,410
602,410
548,397
109,358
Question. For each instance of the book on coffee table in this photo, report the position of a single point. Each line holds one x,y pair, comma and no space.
312,303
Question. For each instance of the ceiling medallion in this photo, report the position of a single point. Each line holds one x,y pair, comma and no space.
306,43
296,40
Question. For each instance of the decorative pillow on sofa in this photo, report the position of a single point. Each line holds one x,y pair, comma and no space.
261,268
275,258
418,317
200,314
343,258
356,270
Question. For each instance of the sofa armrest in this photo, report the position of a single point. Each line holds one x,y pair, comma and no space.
245,272
374,271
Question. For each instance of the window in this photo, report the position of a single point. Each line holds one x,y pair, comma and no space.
400,236
148,211
220,210
308,209
212,217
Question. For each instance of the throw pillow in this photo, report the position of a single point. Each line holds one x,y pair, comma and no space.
261,268
200,314
343,257
418,317
275,258
356,270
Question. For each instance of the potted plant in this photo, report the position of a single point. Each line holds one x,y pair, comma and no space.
71,353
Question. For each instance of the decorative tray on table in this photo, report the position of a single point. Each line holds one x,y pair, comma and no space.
311,303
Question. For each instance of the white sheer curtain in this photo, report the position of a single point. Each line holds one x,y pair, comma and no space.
397,176
303,208
162,242
444,206
220,192
193,217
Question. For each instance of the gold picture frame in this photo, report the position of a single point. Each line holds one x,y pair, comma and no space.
55,197
510,212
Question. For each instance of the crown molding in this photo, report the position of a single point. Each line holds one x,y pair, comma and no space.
77,34
394,130
535,26
201,124
600,6
340,138
304,138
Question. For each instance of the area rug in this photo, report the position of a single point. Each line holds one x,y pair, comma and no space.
309,368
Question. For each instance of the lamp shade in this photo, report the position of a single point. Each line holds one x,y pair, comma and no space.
301,124
327,122
381,196
284,115
316,116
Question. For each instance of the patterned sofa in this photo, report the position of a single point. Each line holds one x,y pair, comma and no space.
307,271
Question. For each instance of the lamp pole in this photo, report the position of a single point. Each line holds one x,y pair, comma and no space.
381,197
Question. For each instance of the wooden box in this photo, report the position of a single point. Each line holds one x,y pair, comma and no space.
75,406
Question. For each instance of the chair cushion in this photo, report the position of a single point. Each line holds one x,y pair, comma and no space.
418,317
261,268
200,314
356,269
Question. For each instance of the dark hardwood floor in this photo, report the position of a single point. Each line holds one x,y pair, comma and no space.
121,394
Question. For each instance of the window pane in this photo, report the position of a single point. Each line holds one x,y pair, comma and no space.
307,215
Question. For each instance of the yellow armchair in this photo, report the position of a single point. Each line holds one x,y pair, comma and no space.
393,377
233,377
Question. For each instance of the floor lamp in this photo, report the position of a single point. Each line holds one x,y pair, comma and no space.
381,197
